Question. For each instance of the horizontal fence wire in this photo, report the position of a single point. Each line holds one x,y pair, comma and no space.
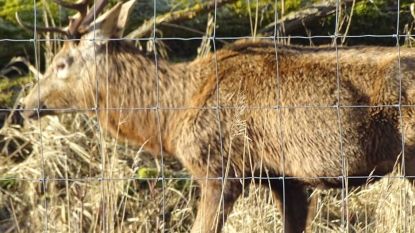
247,178
221,107
216,38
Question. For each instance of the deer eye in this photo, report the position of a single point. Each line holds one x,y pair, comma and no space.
62,70
61,66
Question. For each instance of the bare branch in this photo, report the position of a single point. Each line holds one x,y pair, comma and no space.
147,27
29,65
296,19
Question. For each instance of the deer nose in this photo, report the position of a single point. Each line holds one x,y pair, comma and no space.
33,113
29,113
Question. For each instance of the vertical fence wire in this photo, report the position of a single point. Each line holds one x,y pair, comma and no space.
401,123
218,116
278,104
344,176
43,180
157,110
97,109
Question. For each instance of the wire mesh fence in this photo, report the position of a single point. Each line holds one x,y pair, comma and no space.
247,130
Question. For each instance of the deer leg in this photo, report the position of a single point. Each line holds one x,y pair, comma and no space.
215,205
409,149
311,212
410,168
292,201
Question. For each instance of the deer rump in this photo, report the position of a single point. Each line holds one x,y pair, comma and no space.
288,117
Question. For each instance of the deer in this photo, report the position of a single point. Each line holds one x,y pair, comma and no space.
302,117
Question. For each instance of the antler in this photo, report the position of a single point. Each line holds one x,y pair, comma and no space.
99,6
41,29
82,18
75,21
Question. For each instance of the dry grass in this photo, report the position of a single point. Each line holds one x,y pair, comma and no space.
76,197
73,157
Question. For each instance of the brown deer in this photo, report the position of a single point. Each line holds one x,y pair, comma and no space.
302,117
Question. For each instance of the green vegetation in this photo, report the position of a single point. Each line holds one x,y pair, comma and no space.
379,18
9,89
25,9
8,182
179,180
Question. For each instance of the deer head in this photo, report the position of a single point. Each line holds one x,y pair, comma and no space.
70,80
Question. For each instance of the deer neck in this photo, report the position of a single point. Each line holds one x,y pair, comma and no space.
140,97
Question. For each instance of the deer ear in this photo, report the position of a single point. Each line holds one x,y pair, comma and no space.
123,16
112,23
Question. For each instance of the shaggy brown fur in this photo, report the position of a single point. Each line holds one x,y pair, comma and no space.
274,114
